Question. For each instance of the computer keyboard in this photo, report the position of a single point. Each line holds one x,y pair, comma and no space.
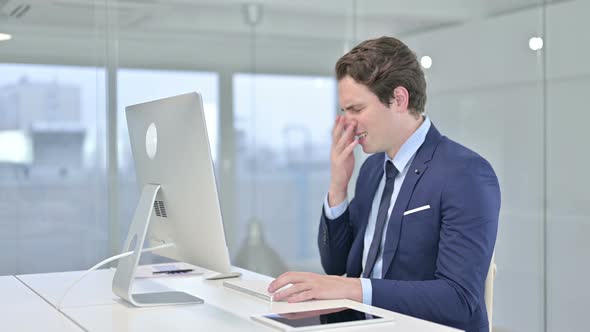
257,288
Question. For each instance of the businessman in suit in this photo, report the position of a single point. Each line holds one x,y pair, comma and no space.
418,236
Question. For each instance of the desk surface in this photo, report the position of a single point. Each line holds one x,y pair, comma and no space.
23,310
92,305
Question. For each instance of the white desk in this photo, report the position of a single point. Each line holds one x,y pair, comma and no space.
23,310
93,305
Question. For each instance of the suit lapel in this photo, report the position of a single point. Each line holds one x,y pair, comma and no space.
415,172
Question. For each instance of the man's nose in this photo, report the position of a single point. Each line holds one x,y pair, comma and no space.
349,117
350,121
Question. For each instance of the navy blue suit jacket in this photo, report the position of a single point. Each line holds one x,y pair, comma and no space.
434,261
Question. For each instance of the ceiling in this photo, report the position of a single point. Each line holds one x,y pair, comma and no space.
290,36
327,19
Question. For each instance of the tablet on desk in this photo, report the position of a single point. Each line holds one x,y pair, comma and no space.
319,319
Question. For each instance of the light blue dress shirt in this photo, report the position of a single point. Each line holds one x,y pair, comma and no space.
401,161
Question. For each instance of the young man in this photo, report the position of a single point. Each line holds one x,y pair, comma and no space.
419,234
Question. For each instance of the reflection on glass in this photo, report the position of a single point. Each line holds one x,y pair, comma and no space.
313,318
15,148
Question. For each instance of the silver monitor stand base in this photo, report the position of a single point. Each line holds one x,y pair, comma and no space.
123,279
224,276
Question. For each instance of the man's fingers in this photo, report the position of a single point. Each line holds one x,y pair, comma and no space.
287,278
303,296
346,137
295,289
349,148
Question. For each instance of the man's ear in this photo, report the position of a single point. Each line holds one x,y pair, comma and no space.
401,97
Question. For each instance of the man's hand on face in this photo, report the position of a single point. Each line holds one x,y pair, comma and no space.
341,159
308,286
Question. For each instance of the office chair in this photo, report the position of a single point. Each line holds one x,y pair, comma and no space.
489,290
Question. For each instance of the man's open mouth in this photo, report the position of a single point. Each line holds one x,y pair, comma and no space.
361,135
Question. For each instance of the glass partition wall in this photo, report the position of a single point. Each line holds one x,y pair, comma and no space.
486,92
505,78
53,193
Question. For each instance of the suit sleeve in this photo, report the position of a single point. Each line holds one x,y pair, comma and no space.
470,205
335,236
334,241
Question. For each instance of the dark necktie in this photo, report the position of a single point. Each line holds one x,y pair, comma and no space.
390,173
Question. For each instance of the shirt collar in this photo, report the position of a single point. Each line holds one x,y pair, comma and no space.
410,146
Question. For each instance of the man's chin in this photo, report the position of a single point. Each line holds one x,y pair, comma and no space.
367,149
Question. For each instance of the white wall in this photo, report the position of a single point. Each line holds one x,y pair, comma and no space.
486,91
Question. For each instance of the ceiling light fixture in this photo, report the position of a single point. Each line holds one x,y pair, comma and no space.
5,36
536,43
426,61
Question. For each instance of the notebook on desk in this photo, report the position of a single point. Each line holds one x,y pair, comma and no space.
256,288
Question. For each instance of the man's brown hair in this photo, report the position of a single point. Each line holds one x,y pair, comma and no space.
382,65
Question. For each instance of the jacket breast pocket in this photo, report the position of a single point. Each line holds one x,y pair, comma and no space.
420,231
423,210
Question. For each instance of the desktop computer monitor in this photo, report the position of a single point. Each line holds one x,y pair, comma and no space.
179,202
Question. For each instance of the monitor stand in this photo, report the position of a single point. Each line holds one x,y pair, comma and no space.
224,276
124,276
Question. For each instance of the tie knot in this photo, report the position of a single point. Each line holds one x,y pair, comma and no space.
390,170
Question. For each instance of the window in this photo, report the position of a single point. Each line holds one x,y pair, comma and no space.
283,128
52,198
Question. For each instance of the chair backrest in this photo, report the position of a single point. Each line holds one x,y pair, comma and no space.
489,290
